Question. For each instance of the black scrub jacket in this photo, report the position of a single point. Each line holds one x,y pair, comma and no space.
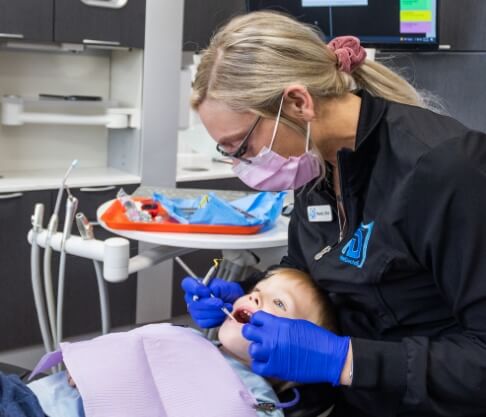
409,275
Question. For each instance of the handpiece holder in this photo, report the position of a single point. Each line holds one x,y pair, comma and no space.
71,208
113,252
85,227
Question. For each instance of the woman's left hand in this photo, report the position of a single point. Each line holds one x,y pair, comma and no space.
295,350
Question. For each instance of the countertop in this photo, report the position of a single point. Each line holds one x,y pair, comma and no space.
46,179
197,154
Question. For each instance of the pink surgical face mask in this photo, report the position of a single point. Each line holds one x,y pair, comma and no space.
269,171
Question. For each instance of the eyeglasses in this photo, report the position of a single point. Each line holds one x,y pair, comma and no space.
242,148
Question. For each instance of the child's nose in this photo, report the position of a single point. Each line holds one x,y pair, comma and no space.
255,298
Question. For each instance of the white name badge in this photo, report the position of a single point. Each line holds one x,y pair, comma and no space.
319,213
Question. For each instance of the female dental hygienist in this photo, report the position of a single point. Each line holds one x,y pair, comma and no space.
389,218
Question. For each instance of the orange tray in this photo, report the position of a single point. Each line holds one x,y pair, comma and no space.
114,217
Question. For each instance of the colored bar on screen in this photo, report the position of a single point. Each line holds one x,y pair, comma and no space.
415,16
415,27
415,4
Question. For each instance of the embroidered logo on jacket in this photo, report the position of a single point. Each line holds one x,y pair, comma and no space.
354,252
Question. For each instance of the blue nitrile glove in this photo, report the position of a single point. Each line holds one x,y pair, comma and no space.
294,350
206,311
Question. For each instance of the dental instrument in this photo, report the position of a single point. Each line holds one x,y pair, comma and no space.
184,266
85,229
206,281
37,287
207,278
51,230
71,208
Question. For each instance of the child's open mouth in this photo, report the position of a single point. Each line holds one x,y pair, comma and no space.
242,315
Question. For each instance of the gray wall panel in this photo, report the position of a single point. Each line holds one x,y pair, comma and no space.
458,79
163,52
462,24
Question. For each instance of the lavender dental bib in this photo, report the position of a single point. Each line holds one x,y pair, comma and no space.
154,371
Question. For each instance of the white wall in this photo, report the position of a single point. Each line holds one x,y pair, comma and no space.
42,146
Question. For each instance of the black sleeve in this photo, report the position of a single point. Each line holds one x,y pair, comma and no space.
446,230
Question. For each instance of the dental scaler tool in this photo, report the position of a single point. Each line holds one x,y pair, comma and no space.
51,230
209,276
206,281
71,208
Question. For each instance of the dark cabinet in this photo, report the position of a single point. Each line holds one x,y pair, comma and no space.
462,24
81,310
203,17
30,20
92,22
19,325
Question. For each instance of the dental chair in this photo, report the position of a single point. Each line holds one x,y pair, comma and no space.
7,369
315,399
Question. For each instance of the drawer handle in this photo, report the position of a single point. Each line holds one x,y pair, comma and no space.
97,189
101,43
10,196
12,35
109,4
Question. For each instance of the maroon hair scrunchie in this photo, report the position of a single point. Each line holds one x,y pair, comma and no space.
349,52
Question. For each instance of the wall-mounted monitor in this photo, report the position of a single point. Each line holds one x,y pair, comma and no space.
386,24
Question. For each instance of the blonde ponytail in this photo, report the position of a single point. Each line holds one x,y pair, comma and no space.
380,81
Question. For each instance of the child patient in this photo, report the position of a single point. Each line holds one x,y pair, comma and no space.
283,292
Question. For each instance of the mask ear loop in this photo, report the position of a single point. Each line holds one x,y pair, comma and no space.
307,137
277,122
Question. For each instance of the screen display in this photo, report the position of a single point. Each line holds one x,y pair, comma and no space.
378,23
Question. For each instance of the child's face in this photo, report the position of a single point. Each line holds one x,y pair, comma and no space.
275,295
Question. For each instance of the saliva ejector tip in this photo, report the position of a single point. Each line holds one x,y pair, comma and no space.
216,262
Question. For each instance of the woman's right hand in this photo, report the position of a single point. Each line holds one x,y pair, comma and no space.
204,309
